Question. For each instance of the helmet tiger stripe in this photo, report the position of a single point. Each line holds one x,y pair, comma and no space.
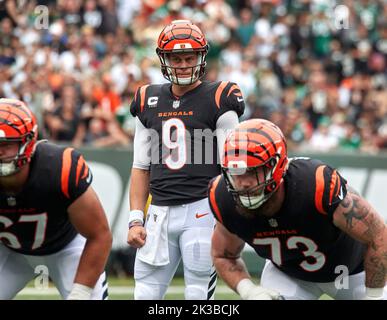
182,36
17,124
254,144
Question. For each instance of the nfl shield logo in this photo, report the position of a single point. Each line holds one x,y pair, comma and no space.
11,201
273,223
176,104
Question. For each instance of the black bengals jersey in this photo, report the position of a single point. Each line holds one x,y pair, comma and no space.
184,155
301,239
35,221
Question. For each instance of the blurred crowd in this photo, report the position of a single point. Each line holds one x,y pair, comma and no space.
315,69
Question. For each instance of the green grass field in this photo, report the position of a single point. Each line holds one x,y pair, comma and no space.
122,289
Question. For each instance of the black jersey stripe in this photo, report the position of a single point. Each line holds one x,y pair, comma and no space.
212,280
211,293
105,294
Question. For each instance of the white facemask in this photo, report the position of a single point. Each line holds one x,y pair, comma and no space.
188,80
7,169
252,202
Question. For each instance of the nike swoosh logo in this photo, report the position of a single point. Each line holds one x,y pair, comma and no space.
340,196
201,215
240,99
88,179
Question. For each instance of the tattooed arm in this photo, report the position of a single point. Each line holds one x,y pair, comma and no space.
357,218
226,250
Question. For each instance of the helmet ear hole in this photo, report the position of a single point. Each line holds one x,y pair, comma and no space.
271,187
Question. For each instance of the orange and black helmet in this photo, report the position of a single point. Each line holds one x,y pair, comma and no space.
17,124
255,144
182,36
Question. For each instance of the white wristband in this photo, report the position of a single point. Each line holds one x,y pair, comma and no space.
250,291
374,293
244,286
136,215
80,292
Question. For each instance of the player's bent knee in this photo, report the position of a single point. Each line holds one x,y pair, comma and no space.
199,274
197,259
144,291
193,292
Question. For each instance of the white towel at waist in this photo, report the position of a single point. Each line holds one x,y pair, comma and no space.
155,251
